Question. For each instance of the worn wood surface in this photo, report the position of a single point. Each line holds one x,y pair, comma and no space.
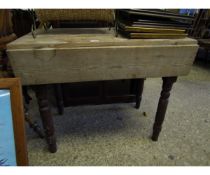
74,55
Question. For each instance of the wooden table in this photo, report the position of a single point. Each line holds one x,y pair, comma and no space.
78,55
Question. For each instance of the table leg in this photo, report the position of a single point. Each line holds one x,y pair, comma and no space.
47,120
162,105
139,90
26,96
59,98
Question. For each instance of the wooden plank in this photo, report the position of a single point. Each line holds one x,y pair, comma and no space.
151,29
74,38
74,55
156,35
48,65
159,26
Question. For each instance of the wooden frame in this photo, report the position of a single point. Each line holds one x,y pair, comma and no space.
14,85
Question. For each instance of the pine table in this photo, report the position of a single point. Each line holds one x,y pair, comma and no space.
84,54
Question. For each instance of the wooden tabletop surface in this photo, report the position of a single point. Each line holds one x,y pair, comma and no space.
86,37
75,55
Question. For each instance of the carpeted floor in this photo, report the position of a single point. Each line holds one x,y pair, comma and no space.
120,135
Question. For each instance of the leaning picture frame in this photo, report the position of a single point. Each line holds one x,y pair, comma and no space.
13,149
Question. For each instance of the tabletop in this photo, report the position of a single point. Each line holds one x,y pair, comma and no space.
92,54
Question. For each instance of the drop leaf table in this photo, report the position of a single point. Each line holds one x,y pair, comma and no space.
84,54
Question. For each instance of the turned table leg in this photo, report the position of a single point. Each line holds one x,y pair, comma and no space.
162,105
139,90
59,98
47,120
26,96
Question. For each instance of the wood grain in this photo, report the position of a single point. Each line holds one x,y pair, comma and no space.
85,37
69,57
